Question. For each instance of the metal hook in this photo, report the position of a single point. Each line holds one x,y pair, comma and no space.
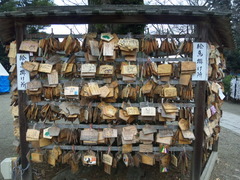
149,59
73,148
34,126
168,34
72,126
166,60
109,149
52,31
184,149
129,35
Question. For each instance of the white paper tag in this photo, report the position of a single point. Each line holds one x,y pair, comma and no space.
148,111
220,93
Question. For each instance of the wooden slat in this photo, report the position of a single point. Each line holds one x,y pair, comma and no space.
41,35
101,82
118,105
115,148
96,126
81,59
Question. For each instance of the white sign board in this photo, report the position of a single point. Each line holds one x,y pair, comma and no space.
23,76
200,56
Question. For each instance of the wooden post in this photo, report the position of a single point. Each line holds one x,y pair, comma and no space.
215,146
199,114
22,102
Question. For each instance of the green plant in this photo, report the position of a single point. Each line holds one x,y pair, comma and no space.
227,84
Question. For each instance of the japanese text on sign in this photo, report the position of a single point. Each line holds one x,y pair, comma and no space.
200,56
22,75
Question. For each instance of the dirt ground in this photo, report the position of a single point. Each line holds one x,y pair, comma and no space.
228,164
6,129
227,167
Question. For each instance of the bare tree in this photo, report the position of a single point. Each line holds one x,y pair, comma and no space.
156,28
175,29
179,2
75,2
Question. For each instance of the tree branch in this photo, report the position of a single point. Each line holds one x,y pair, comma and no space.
72,3
3,2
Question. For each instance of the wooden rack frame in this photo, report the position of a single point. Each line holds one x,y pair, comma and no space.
198,118
116,148
211,26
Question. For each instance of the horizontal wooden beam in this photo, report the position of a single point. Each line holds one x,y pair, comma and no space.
115,148
42,103
97,126
42,35
111,19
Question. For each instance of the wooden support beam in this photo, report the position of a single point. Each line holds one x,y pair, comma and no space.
199,116
22,102
199,113
215,146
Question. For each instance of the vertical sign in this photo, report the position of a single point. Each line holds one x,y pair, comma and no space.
23,76
200,56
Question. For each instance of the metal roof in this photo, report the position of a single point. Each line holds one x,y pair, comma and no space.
218,22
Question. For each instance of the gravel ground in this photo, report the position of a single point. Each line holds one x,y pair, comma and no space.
6,129
231,107
227,167
228,164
